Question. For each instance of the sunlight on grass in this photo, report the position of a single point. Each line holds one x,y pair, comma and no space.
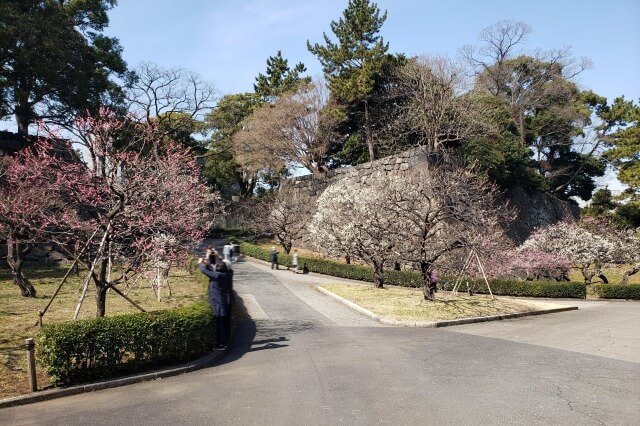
613,273
409,304
18,315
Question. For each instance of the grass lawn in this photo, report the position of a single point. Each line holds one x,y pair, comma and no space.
302,252
18,315
409,304
613,273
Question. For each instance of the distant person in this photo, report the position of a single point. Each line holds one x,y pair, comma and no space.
273,257
433,280
294,261
220,287
226,252
235,250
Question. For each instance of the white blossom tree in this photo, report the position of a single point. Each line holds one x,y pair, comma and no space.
354,220
441,210
588,251
629,241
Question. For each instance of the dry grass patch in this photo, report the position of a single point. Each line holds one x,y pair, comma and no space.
613,273
18,314
409,304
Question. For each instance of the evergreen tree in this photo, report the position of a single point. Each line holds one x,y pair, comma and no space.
352,64
55,63
279,77
221,170
624,118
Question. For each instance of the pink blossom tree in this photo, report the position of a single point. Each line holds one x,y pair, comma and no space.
36,187
506,260
137,199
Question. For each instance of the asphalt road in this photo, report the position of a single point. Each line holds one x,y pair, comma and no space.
305,359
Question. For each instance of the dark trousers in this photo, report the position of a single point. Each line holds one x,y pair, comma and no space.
222,330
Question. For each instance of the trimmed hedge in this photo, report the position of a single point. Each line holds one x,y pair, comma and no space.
617,291
414,279
80,351
503,287
336,269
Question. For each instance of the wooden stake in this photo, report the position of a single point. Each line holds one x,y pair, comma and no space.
127,299
85,285
483,274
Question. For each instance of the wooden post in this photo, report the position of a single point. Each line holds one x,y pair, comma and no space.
31,364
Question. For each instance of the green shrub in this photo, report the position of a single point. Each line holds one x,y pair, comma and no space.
414,279
79,351
504,287
616,291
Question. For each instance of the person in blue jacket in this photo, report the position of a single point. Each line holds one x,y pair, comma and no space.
220,287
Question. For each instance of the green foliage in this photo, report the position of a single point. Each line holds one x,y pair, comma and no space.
517,288
279,77
54,63
622,215
602,201
624,116
350,146
179,127
414,279
80,351
351,64
531,100
616,291
628,215
506,162
221,169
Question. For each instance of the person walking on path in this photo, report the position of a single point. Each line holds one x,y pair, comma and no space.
220,287
294,261
273,256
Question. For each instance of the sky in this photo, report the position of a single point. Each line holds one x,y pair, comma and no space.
228,42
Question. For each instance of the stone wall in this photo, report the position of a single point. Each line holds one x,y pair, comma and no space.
534,209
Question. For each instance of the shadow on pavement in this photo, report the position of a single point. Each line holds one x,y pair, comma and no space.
256,335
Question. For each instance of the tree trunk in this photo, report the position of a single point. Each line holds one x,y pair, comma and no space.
101,300
102,285
367,131
23,125
378,273
521,130
22,111
16,262
347,260
627,274
587,274
427,285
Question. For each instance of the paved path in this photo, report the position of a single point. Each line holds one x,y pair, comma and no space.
304,359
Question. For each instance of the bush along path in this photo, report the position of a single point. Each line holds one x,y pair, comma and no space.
82,351
551,289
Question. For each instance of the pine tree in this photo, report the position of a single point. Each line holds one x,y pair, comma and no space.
352,63
279,78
